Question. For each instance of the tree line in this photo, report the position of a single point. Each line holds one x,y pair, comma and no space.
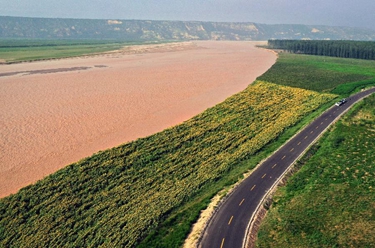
333,48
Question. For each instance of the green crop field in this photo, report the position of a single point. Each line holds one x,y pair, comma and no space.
318,73
12,51
147,193
330,202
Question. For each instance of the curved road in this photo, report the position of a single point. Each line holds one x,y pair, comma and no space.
228,226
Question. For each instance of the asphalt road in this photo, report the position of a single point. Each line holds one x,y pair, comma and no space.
227,228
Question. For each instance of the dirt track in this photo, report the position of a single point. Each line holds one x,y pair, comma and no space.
52,115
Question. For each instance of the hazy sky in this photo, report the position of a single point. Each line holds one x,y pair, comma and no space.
357,13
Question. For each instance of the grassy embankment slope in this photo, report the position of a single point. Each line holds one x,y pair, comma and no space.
14,51
156,186
330,201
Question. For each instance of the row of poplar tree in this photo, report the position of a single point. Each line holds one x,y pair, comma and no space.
333,48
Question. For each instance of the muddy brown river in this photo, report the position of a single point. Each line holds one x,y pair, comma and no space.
53,113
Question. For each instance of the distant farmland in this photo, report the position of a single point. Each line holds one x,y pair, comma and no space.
13,51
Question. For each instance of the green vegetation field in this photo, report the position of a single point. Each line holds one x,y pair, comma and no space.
147,193
12,51
330,202
322,74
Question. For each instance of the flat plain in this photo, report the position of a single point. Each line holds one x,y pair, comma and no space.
56,112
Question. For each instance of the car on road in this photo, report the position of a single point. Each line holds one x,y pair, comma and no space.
341,102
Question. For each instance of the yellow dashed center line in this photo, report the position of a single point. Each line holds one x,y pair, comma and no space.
298,143
317,127
283,157
222,243
230,221
253,188
264,175
306,137
312,132
326,118
241,202
321,123
274,166
291,149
